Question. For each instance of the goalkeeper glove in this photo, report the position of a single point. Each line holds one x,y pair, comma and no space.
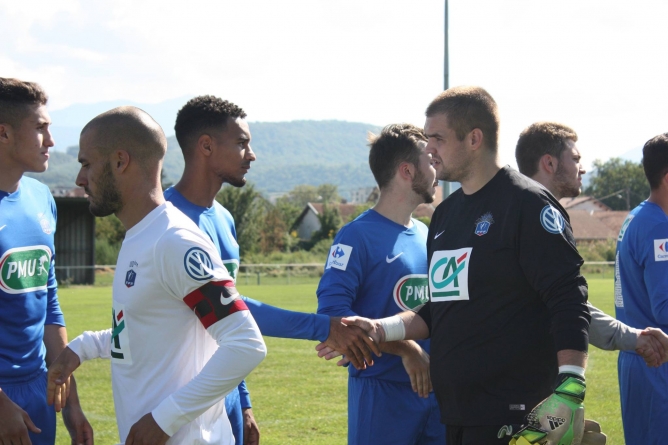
559,419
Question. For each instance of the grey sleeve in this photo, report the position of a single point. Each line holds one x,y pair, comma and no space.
610,334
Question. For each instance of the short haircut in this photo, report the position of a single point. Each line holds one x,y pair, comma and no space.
539,139
201,114
130,129
396,143
468,108
16,97
655,160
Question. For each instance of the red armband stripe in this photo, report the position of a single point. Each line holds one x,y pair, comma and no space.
215,301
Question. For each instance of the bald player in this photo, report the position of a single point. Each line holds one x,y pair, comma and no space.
547,153
180,336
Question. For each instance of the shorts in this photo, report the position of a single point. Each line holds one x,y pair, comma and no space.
30,395
385,413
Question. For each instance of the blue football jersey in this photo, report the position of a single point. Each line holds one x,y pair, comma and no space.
641,268
28,288
376,268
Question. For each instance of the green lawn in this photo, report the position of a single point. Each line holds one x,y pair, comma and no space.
298,398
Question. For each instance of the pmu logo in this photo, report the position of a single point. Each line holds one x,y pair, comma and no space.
198,264
25,269
449,274
552,220
411,291
232,267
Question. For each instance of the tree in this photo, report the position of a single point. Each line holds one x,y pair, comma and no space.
247,207
330,223
619,184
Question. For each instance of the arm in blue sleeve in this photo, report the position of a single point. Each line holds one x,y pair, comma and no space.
54,315
244,395
338,287
656,275
277,322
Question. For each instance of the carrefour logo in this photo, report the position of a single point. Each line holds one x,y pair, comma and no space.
552,220
661,250
339,254
411,291
25,269
449,274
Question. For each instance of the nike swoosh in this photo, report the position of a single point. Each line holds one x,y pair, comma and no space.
3,227
438,234
227,300
389,260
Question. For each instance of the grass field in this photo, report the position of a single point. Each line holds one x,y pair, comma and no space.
298,398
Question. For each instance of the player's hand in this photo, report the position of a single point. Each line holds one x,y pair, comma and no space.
75,421
352,342
14,422
372,327
58,379
559,419
416,363
662,340
251,430
593,434
146,432
329,353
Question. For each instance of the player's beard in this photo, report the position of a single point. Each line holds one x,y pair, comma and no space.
108,198
421,186
565,184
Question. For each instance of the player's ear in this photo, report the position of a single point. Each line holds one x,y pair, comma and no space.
548,164
205,145
475,138
5,133
120,160
406,171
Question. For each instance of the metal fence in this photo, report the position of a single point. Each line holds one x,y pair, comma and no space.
309,273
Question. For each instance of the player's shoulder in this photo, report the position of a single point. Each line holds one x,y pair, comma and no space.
647,220
222,211
35,187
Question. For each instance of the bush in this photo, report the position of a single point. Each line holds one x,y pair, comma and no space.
602,250
105,252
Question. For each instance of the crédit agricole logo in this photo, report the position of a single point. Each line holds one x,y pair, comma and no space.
449,274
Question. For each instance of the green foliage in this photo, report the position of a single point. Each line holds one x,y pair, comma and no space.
292,371
621,179
109,228
600,250
358,211
105,252
330,223
247,208
424,219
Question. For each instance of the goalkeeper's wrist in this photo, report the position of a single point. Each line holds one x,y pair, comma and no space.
393,328
571,383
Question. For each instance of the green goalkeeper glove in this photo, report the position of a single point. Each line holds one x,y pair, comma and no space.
559,419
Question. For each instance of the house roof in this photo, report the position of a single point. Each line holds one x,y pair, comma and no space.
589,225
574,203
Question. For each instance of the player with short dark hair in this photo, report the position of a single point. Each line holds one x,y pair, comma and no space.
32,327
507,316
641,299
181,336
546,152
377,268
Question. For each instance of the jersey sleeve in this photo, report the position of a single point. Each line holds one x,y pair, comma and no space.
551,264
342,278
54,315
610,334
192,271
244,395
655,272
277,322
90,345
240,349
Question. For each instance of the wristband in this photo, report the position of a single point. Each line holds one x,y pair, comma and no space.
394,328
572,369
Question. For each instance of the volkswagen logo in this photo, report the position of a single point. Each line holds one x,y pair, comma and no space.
198,264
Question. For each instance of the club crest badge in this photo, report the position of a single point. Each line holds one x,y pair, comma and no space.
131,275
483,223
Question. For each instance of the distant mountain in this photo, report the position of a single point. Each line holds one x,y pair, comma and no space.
288,154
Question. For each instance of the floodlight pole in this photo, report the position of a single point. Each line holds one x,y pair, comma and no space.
446,64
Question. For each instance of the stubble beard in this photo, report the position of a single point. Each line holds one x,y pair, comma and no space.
565,185
421,187
109,200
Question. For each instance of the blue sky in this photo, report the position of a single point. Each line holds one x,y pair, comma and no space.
595,65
